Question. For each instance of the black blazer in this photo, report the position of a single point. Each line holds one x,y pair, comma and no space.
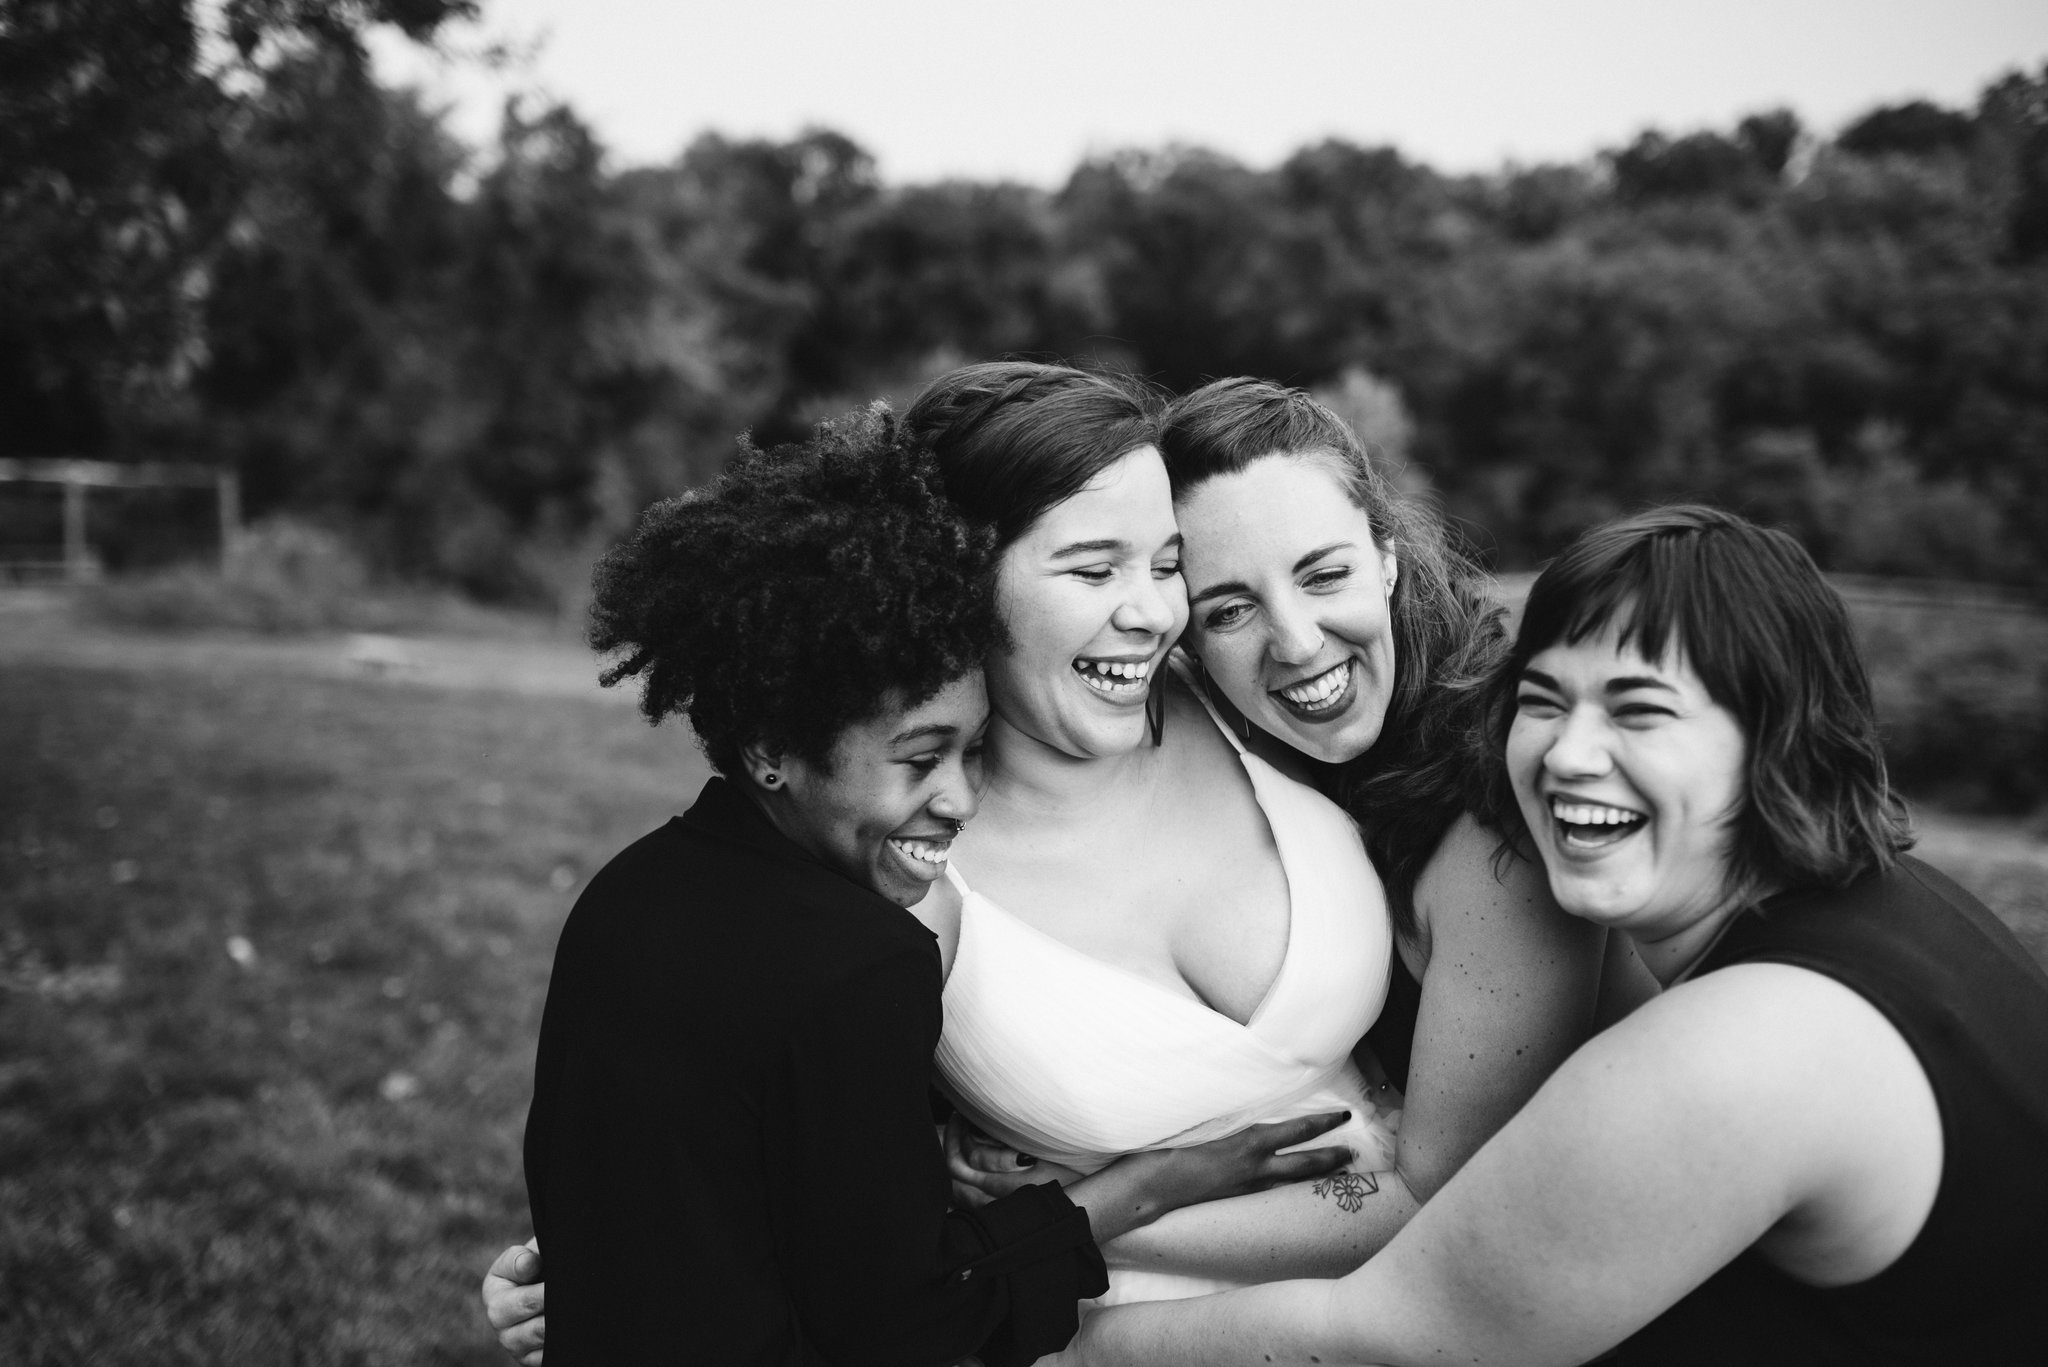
730,1155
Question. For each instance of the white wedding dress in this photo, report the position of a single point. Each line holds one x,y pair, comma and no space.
1078,1061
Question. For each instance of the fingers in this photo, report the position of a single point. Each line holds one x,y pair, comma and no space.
519,1264
1296,1167
992,1155
509,1305
970,1151
524,1341
955,1141
1285,1134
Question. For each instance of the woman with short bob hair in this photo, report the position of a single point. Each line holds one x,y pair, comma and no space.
1822,1143
1770,640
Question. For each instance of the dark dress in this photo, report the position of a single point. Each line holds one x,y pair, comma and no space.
730,1156
1972,1288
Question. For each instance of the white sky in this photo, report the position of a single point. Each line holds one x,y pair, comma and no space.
965,88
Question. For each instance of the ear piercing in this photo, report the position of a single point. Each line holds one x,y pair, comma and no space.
771,779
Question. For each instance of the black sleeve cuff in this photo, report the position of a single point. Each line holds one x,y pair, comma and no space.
1037,1242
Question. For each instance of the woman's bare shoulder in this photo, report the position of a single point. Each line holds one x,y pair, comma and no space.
1477,892
1473,860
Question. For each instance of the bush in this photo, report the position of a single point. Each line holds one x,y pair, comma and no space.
283,576
1961,678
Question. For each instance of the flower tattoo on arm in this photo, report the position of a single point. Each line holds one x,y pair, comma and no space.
1349,1188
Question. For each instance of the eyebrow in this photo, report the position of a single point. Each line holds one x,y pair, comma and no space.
1622,684
1111,544
1230,586
1091,547
935,730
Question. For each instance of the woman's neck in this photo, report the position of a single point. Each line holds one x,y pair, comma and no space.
1672,956
1029,778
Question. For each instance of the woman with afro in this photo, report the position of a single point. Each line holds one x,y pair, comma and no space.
730,1128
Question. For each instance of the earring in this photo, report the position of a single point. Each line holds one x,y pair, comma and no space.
771,779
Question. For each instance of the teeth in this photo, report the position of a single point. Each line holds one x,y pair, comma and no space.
924,851
1114,676
1319,691
1592,814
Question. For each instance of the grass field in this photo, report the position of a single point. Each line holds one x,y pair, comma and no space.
272,955
273,944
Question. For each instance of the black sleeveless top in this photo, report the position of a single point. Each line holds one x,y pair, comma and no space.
1972,1288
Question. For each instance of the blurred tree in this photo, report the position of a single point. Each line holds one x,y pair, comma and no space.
2013,116
235,239
1180,245
1916,128
118,178
113,182
1744,168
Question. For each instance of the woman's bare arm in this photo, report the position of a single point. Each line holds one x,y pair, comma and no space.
1763,1100
1323,1228
1509,990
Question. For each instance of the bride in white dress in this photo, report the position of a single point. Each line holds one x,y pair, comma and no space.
1154,938
1078,1060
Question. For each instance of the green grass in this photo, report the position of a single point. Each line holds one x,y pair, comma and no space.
307,1153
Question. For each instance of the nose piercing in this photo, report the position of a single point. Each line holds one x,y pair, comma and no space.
959,826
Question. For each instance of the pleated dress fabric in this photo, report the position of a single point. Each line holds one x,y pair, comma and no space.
1078,1061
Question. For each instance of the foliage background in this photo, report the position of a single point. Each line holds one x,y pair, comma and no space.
240,246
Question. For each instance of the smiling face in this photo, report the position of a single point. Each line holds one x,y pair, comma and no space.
1288,591
885,810
1629,776
1092,597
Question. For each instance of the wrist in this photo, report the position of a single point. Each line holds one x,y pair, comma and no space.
1129,1193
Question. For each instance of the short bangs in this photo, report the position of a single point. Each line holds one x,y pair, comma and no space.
1693,584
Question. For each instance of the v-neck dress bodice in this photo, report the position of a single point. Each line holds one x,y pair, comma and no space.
1076,1060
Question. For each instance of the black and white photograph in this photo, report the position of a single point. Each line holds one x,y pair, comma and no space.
902,684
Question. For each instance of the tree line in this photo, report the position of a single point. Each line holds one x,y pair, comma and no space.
242,247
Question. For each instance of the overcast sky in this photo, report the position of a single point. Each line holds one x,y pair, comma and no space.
961,88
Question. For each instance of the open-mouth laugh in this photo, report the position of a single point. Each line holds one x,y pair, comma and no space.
1121,679
1325,695
1593,825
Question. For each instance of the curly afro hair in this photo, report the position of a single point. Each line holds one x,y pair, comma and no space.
807,588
